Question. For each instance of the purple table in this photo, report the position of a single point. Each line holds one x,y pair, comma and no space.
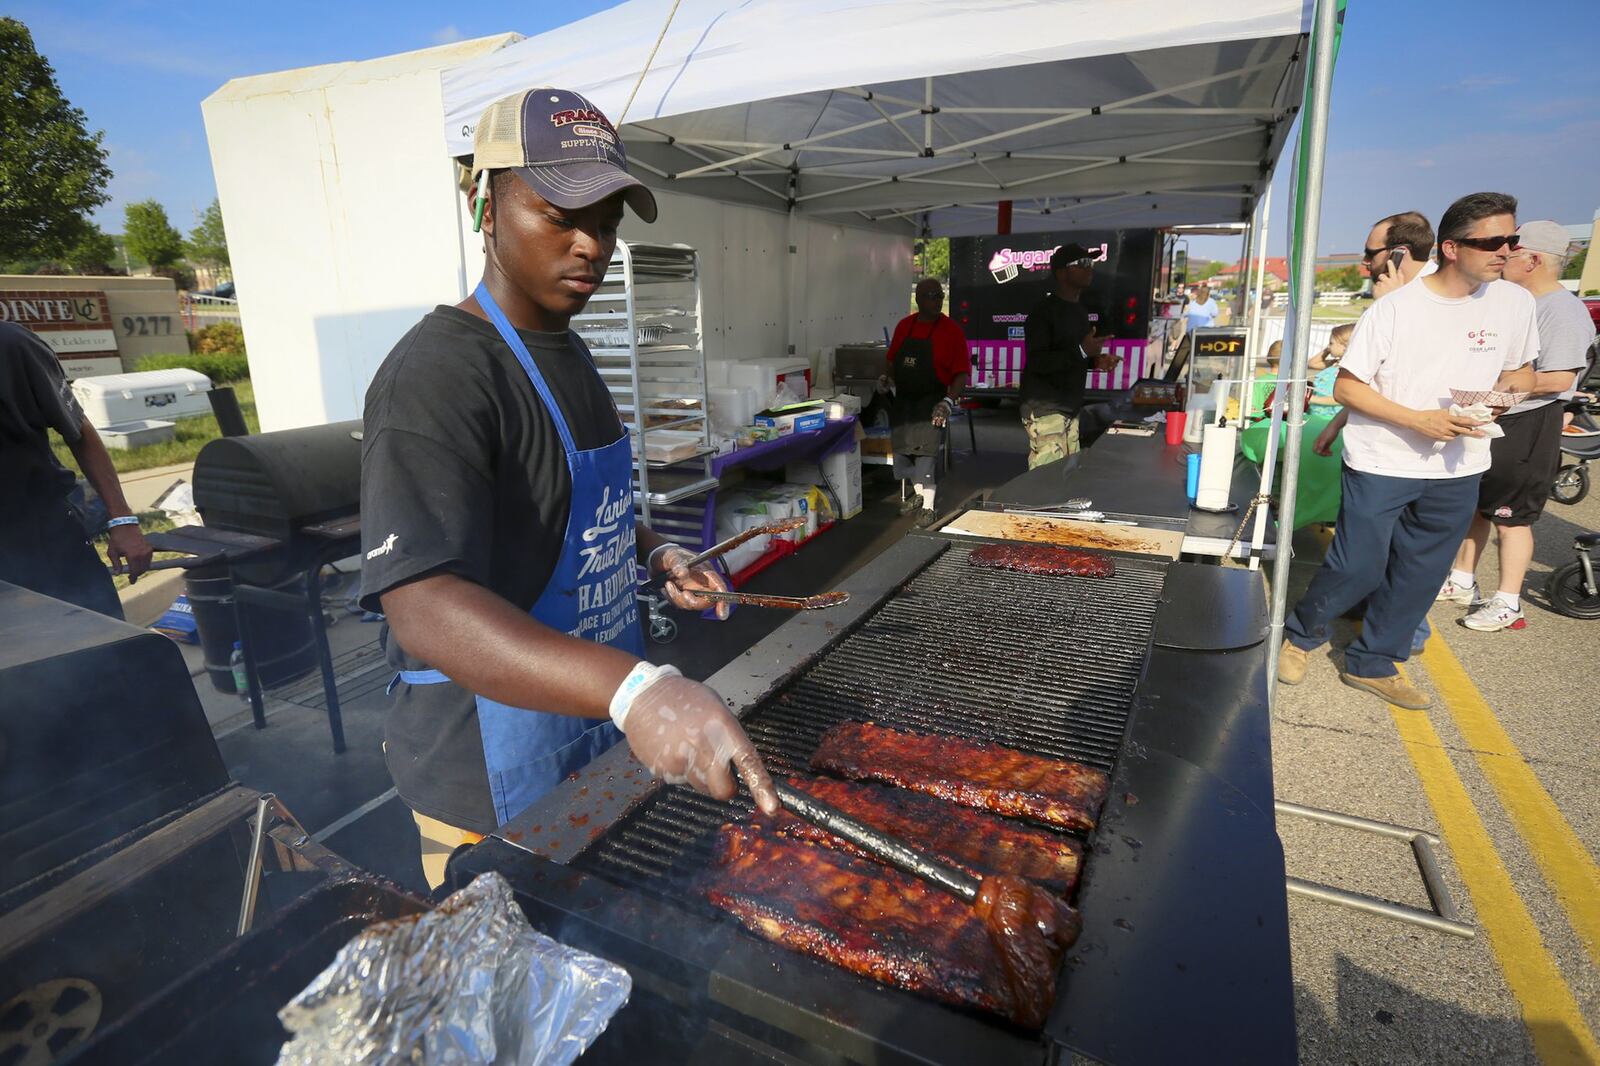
817,444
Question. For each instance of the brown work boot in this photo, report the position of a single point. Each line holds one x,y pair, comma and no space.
1396,690
1292,663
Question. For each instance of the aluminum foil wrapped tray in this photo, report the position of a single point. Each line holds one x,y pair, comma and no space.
468,983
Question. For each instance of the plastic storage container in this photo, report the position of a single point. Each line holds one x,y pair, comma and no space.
114,399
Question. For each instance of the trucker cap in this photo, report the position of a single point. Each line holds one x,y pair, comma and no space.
1545,236
562,146
1069,254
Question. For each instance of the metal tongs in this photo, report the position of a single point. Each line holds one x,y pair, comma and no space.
880,845
750,599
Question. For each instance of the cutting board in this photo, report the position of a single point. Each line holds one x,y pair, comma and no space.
1066,533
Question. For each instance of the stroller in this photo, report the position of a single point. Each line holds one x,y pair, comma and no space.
1578,449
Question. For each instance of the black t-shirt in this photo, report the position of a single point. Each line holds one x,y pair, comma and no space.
1055,368
34,397
462,471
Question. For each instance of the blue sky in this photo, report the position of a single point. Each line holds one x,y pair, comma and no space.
1432,98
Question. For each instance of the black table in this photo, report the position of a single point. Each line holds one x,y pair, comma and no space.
1143,479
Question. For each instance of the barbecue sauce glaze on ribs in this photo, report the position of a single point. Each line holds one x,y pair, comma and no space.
977,842
880,923
1042,559
972,773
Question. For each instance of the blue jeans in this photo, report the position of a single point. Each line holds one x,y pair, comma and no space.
1393,546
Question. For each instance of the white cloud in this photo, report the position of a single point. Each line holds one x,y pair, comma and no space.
446,34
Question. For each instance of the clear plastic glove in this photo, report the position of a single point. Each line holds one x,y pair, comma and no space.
683,580
683,734
942,411
884,387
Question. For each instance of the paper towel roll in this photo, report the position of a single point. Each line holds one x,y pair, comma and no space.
1216,467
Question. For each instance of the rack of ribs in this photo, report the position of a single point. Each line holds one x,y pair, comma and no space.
979,843
972,773
880,923
1042,559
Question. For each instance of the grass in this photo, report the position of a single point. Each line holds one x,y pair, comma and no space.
192,434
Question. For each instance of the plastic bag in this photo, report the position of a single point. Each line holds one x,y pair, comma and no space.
470,982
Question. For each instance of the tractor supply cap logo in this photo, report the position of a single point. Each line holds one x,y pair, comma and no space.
1481,340
601,133
385,548
567,118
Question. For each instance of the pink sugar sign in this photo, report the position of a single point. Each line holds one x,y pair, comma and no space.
1007,263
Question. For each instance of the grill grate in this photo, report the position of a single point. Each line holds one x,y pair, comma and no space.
1046,665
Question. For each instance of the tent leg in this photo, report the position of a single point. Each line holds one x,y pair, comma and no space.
1307,212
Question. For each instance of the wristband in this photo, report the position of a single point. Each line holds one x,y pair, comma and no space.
641,677
650,560
125,520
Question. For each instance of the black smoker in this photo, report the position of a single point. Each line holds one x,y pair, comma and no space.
277,508
1155,675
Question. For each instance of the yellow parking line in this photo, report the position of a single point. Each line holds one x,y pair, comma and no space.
1549,1010
1561,856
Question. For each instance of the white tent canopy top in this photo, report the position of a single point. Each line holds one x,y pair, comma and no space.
922,115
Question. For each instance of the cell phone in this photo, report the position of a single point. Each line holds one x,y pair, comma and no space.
1397,255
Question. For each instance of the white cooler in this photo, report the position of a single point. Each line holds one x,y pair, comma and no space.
116,399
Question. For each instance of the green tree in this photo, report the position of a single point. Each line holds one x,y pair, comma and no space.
1211,270
933,260
1341,279
1575,265
151,237
53,171
208,241
93,252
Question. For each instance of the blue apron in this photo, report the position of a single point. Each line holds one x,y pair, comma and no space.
590,594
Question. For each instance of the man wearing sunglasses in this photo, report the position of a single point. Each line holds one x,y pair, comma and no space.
1064,342
1399,251
1411,467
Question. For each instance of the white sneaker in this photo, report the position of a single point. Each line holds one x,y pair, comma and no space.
1495,615
1450,592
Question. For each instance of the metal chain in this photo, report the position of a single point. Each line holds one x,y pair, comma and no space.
1255,501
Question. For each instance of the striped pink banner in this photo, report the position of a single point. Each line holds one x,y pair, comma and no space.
998,365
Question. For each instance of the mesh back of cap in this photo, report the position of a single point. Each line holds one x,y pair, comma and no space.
498,141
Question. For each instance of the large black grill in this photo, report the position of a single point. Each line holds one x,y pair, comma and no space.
1045,665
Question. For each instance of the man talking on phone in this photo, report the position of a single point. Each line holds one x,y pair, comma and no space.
1064,342
1397,252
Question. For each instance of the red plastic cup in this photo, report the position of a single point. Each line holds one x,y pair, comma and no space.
1175,421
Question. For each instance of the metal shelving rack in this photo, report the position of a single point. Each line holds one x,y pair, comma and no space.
643,328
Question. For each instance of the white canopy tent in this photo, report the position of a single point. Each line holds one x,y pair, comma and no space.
920,116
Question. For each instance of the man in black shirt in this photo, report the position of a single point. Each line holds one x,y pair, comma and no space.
43,546
497,512
1063,344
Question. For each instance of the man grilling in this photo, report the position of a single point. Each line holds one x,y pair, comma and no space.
928,364
497,512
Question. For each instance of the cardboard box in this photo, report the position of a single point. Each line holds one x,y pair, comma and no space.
788,422
839,475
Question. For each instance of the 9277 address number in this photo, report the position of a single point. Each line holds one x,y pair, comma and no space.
147,325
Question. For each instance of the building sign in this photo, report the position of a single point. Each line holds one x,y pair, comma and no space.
71,323
76,326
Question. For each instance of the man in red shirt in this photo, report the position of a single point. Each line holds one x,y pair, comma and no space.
928,365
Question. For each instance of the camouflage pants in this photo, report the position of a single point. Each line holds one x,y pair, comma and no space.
1052,435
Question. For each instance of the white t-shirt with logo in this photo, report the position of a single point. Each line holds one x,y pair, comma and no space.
1414,346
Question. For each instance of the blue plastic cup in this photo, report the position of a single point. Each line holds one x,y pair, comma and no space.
1193,485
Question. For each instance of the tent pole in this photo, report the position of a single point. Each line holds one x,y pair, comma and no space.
1307,216
1251,234
1258,268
